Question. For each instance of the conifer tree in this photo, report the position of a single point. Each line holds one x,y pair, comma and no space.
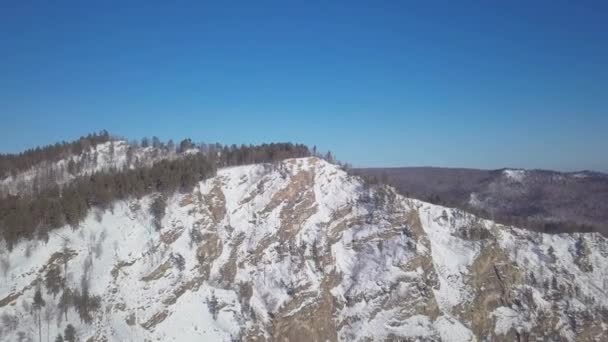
37,304
157,209
53,280
69,333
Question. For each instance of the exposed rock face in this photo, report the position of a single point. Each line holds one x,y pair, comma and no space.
301,251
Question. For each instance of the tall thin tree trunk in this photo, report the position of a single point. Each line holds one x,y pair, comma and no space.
39,326
65,280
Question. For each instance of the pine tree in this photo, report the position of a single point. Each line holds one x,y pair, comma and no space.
185,145
157,209
65,300
49,313
72,167
156,142
53,280
69,333
37,305
59,338
111,151
213,305
170,145
551,253
84,302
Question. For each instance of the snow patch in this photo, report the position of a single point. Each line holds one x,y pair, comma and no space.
515,175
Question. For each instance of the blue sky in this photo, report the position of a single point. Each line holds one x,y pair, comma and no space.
471,84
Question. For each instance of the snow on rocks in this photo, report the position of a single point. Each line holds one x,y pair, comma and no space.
302,250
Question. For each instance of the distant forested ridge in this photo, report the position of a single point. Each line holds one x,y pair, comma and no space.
541,200
33,214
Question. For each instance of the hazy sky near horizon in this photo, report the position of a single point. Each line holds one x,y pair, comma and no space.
442,83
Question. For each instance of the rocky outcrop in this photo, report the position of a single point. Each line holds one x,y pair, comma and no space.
302,251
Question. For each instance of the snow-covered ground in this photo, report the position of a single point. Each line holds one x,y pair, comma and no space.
101,157
515,175
302,250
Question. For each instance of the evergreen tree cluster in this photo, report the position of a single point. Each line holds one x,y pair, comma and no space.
11,164
266,153
34,215
157,209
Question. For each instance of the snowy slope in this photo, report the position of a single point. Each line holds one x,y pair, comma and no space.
300,250
101,157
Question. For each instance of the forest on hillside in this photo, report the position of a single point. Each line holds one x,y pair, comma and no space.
11,164
545,201
50,206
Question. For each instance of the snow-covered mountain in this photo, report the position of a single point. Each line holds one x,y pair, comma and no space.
110,155
302,251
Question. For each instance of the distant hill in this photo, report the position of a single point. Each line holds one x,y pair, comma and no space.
543,200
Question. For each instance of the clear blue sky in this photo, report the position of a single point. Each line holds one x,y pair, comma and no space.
474,84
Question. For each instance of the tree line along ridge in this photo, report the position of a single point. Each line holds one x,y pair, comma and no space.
33,215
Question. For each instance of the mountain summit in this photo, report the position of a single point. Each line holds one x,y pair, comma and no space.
300,250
